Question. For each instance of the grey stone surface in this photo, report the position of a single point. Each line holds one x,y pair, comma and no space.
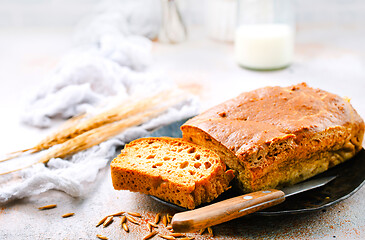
328,58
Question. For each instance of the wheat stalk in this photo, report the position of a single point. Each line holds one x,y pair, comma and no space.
67,125
100,134
97,136
90,138
75,127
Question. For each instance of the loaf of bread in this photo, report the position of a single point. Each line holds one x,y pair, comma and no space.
171,169
278,136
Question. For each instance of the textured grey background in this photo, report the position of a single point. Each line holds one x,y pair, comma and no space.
330,54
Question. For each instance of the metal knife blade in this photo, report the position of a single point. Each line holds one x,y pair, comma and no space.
307,185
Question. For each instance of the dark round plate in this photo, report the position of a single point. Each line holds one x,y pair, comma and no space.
350,178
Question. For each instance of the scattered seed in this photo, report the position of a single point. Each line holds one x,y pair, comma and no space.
123,219
150,235
101,221
117,214
167,237
164,220
108,221
149,227
101,237
172,230
169,218
157,218
210,230
177,235
132,220
125,227
201,231
134,214
187,238
48,207
153,225
169,227
68,215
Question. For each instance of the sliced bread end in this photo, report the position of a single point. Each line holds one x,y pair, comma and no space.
172,169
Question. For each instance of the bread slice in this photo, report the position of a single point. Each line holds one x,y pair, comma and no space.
171,169
278,136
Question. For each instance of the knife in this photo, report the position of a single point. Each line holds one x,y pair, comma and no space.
232,208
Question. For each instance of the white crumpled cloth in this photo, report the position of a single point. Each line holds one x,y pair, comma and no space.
110,68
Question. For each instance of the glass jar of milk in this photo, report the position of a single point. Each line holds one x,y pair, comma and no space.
264,37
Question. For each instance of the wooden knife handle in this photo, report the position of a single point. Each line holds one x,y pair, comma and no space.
226,210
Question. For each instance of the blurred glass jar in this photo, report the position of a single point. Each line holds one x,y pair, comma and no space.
264,37
220,19
173,29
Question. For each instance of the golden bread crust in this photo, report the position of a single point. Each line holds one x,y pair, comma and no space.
276,136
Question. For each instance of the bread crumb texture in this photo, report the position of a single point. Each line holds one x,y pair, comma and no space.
278,136
172,169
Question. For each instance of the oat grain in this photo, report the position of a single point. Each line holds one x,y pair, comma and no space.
48,207
167,237
150,235
101,221
157,218
132,220
68,215
134,214
125,227
108,221
101,237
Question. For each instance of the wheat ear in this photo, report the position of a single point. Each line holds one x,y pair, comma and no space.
91,138
96,136
75,127
100,134
68,124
